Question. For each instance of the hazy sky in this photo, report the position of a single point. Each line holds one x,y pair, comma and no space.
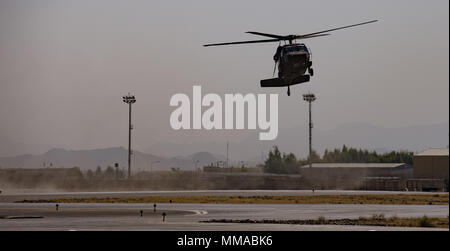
64,65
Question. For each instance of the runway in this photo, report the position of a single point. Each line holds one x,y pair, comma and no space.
187,217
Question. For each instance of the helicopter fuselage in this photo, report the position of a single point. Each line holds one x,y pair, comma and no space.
294,61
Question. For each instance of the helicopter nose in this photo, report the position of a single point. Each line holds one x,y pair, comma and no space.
297,57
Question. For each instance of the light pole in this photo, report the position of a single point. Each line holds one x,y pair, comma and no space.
129,99
310,98
227,155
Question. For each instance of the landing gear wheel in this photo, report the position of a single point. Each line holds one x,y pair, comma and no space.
289,91
311,71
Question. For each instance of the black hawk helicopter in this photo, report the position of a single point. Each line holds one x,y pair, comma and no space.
293,59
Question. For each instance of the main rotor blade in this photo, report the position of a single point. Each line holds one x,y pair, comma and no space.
340,28
277,38
245,42
312,36
265,34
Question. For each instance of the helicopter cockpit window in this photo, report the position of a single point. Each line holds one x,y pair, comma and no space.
289,49
295,48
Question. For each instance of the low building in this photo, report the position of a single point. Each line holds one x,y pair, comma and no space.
401,170
431,164
366,176
382,183
430,170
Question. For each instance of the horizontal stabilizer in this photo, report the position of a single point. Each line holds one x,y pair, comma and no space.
273,82
278,82
301,79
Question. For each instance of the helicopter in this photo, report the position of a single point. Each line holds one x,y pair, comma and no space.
294,59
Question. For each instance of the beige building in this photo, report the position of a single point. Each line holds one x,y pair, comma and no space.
357,170
431,164
365,176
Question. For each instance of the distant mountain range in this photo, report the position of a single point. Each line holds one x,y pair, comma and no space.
358,135
90,159
249,149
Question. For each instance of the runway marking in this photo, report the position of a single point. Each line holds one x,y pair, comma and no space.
14,217
199,212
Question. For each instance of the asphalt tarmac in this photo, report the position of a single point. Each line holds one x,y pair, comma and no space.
187,217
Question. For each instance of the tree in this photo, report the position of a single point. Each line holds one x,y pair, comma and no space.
281,163
119,174
89,174
290,163
109,173
274,162
315,158
98,172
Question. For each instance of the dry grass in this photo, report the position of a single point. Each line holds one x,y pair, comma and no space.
375,220
391,199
